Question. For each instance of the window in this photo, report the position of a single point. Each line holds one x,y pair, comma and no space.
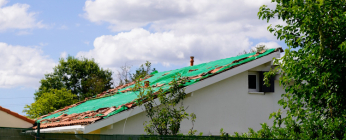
263,87
252,81
256,83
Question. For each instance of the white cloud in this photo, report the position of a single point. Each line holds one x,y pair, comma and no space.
63,27
86,42
138,45
2,2
22,66
175,30
23,33
17,16
63,55
43,44
129,14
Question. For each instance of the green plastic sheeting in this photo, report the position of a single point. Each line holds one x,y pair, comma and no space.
158,78
116,111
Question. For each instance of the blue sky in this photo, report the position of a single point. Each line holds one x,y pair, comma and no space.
35,34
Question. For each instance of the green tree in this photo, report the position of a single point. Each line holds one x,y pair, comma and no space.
258,48
165,119
312,70
142,71
124,75
83,77
50,101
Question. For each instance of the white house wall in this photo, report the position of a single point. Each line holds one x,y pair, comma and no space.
8,120
225,104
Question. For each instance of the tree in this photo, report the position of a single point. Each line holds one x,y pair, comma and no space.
50,101
258,48
83,77
165,119
142,71
125,76
313,70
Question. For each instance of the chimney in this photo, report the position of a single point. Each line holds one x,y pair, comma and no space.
146,84
191,61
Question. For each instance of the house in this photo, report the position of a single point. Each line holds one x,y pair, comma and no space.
227,93
9,118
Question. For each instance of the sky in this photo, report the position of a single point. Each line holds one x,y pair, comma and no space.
35,34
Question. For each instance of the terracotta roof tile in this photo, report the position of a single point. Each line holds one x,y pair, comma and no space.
68,123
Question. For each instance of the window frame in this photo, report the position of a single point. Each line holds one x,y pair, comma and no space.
257,81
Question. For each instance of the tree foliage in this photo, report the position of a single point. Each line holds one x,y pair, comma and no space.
125,76
258,48
72,80
50,101
313,70
83,77
165,119
142,71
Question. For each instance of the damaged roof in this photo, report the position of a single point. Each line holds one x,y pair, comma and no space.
121,98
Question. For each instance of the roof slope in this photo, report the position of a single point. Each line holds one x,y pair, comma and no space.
121,98
17,115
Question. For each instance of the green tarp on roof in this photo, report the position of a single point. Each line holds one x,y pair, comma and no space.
158,78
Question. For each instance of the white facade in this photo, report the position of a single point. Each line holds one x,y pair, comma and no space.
8,120
225,104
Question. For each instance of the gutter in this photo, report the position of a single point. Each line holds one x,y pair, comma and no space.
63,129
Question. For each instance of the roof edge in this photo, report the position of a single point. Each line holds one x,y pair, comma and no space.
280,49
17,115
63,129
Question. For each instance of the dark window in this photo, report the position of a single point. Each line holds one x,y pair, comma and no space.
262,86
252,81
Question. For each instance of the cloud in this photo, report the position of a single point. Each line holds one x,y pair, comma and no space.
22,66
138,45
86,42
23,33
168,32
63,27
63,55
17,16
43,44
125,15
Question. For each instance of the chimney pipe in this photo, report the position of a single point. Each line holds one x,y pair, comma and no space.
146,84
191,61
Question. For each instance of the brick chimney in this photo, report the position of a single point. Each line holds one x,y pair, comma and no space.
191,60
146,84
